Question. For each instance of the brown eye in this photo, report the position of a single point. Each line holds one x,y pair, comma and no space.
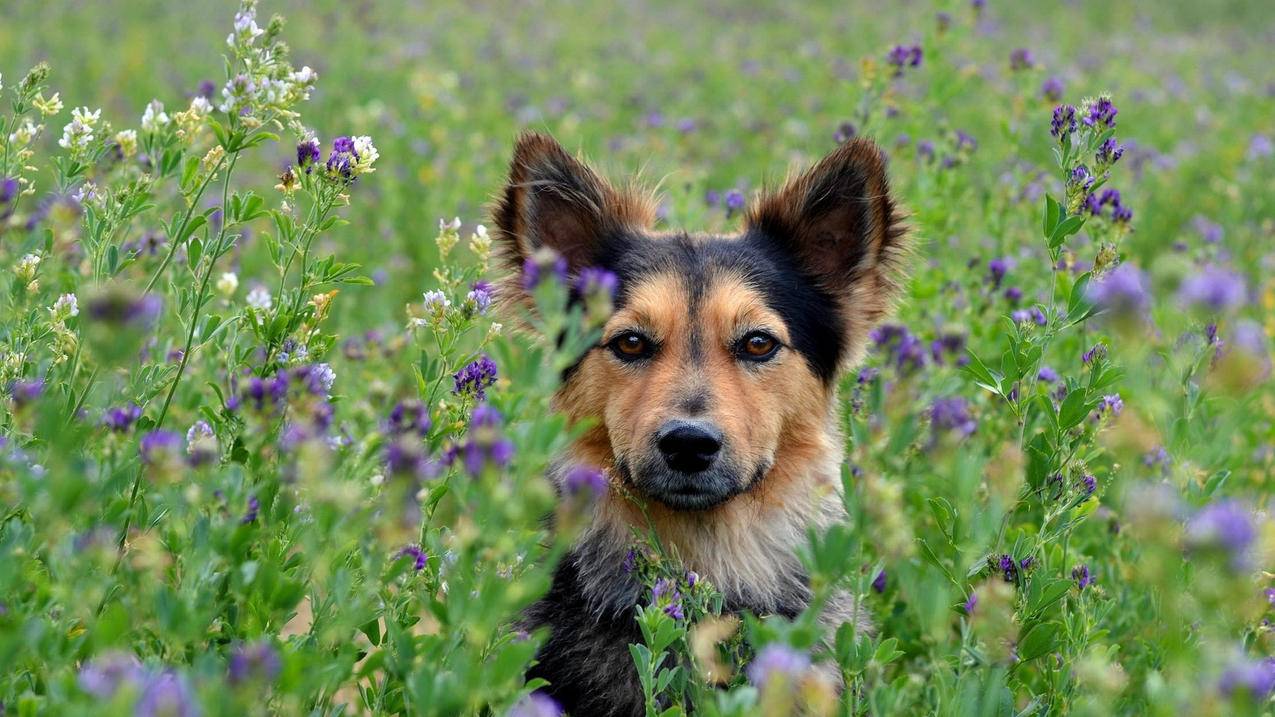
631,346
758,346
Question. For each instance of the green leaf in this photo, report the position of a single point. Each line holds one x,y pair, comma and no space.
1049,593
887,652
1039,640
1053,212
1065,228
1073,410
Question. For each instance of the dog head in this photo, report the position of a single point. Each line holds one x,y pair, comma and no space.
722,356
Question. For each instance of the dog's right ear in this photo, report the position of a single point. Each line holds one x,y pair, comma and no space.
554,200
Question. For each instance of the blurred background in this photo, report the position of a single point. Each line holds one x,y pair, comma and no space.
707,97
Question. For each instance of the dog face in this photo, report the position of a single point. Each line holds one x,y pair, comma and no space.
721,358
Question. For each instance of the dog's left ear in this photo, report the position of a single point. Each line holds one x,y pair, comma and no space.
840,225
554,200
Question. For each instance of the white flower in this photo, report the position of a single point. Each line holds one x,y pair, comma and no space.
65,307
260,299
24,134
366,153
228,283
436,301
127,141
49,107
246,30
200,106
446,226
154,118
27,266
77,135
325,375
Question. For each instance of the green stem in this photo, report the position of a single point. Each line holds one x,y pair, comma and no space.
190,211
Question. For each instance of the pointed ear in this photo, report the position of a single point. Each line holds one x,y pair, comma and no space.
553,200
839,224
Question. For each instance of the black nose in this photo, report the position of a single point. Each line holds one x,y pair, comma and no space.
689,447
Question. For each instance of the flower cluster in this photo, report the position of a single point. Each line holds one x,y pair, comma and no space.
903,56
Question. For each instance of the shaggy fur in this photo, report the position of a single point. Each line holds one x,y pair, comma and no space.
817,264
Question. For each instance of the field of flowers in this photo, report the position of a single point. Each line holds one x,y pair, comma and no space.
266,447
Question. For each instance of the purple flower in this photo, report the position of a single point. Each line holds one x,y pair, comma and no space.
1214,289
121,419
8,196
1047,374
1109,152
1014,294
925,149
996,270
201,444
1112,404
1101,114
1099,351
1081,575
692,577
1021,59
536,704
1080,178
409,417
535,268
901,56
1226,524
1258,147
952,414
878,583
846,131
254,661
485,445
712,197
734,201
418,556
1052,88
308,154
965,141
777,660
971,602
166,694
1211,232
585,480
1008,568
475,378
1256,677
1064,122
25,393
103,676
901,347
1122,292
160,447
479,297
597,282
1090,483
119,309
254,508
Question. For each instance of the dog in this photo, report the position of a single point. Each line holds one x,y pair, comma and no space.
712,394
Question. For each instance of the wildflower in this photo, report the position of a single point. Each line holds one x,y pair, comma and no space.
878,583
478,300
952,414
1258,147
846,131
121,419
543,264
77,135
1111,404
253,510
585,481
1226,525
1256,677
734,201
48,107
154,118
971,602
1064,122
159,447
1098,351
1081,575
1100,113
308,153
1013,294
996,270
409,417
260,299
24,393
103,676
485,445
900,57
26,267
901,347
1021,59
777,661
536,704
1211,232
227,283
1109,152
1122,292
475,377
1080,178
201,443
254,661
1089,482
126,141
1052,88
116,308
67,306
595,281
1214,289
418,556
1008,568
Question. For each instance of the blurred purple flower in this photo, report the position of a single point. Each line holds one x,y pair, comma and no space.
1122,292
121,419
1214,289
734,201
1052,88
1021,59
1226,524
952,414
901,56
418,556
254,661
536,704
1256,677
586,481
777,660
1081,575
160,447
878,583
